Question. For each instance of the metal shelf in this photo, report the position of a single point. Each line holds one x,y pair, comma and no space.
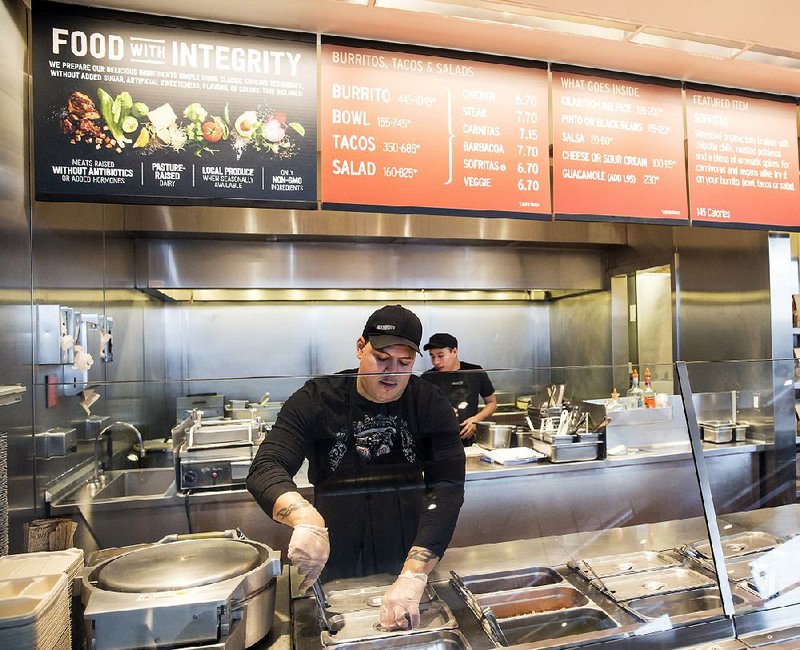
11,394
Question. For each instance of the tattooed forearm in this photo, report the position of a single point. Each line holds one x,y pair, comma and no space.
284,513
421,555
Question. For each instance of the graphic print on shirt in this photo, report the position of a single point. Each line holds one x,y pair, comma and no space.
374,436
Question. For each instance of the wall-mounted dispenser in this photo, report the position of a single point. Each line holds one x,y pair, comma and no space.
66,337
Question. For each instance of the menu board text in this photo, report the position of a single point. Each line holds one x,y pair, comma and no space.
617,148
743,162
416,131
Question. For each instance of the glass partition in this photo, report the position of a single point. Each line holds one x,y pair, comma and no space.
746,420
582,517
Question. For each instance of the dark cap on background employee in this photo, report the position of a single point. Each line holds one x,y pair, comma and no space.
393,325
441,340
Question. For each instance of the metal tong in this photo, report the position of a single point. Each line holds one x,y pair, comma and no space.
332,621
485,615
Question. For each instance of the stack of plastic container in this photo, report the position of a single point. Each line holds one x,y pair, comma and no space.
3,493
36,598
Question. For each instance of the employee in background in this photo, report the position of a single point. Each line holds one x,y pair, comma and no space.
386,464
462,382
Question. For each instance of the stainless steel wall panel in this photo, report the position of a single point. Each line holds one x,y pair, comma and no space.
244,264
16,345
581,336
326,223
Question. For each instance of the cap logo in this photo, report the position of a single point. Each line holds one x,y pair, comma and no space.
384,327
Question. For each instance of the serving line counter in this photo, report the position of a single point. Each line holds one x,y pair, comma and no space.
641,586
526,501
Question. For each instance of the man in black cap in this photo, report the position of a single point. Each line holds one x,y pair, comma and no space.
386,464
462,382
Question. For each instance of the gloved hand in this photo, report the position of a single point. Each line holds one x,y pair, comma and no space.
400,603
309,548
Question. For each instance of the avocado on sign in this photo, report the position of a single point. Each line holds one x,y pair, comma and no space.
143,109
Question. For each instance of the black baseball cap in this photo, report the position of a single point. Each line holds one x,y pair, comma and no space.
393,325
441,340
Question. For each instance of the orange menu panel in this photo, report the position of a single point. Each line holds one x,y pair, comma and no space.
423,132
617,148
742,160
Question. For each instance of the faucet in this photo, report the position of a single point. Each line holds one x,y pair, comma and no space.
97,477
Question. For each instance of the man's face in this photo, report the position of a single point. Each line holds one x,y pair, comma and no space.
445,359
385,387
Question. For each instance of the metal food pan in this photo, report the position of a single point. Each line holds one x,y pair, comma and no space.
693,602
573,451
739,544
646,583
365,598
363,625
506,580
437,640
553,625
537,600
613,565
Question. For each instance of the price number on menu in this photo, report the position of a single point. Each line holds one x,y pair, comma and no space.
650,179
525,100
394,122
650,111
604,140
528,185
528,134
528,150
399,172
526,117
401,147
662,163
528,168
422,101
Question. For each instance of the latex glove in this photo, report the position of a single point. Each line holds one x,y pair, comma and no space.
309,549
400,603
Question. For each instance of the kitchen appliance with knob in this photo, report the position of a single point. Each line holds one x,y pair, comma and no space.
217,454
210,590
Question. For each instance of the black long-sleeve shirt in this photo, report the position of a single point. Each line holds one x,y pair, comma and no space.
367,462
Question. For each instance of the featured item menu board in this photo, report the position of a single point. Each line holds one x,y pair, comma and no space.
418,132
617,149
742,160
132,108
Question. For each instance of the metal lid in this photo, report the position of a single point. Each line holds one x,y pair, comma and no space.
178,565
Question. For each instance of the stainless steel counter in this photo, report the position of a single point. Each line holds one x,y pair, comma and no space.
530,501
713,631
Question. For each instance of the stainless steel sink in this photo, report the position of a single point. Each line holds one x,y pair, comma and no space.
505,580
506,604
705,601
138,483
130,484
438,640
553,625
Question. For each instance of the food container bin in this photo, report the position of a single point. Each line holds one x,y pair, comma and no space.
491,435
717,431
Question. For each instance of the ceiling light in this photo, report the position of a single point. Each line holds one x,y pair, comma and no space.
768,56
690,43
517,15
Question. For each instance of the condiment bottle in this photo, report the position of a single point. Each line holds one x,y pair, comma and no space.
635,394
649,394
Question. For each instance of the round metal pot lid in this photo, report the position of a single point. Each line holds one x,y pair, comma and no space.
178,565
